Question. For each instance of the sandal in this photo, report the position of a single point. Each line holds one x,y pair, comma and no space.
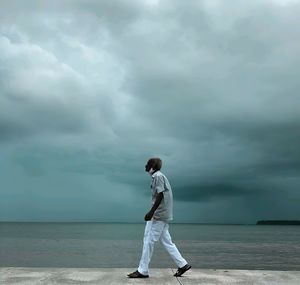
181,270
137,274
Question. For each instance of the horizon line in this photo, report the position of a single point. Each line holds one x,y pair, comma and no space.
103,222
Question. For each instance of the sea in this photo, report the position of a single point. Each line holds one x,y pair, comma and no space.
119,245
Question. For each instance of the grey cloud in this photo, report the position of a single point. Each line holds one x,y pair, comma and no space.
97,87
204,193
31,164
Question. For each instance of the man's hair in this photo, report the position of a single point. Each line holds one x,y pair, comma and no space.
155,162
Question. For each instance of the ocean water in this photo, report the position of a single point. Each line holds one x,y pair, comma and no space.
267,247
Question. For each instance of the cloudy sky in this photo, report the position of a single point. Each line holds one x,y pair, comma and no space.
89,90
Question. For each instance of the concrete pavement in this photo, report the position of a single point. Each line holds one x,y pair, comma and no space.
117,276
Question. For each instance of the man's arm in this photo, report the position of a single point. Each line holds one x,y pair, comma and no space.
158,199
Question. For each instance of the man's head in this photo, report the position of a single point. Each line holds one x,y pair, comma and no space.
155,163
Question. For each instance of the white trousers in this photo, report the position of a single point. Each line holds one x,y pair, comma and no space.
154,231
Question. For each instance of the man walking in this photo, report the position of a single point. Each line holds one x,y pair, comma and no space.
157,225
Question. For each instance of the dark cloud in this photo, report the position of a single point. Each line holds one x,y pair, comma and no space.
93,89
206,192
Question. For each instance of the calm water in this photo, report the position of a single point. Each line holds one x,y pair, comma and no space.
119,245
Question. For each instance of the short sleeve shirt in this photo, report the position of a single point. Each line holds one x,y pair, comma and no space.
159,184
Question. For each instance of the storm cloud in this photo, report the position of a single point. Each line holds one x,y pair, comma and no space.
89,90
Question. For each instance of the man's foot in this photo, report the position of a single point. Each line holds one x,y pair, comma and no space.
137,274
181,270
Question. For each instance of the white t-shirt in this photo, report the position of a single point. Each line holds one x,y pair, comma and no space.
159,184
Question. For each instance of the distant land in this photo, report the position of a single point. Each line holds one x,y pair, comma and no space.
278,222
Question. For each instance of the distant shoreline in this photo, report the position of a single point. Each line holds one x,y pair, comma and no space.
279,222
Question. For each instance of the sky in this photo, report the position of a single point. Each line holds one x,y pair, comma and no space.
90,90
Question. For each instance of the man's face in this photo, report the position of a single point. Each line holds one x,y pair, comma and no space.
148,167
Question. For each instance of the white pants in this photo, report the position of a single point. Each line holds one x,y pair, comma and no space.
154,231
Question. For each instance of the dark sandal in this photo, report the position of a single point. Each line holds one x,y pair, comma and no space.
137,274
181,270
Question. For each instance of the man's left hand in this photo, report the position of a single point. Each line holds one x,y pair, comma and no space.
148,216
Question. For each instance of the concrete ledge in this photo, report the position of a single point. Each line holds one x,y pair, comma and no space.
117,276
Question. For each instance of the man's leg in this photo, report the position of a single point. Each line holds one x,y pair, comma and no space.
153,231
171,248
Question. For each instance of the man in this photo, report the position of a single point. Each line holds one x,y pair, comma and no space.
157,225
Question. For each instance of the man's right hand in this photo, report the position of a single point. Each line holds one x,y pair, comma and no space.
148,216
